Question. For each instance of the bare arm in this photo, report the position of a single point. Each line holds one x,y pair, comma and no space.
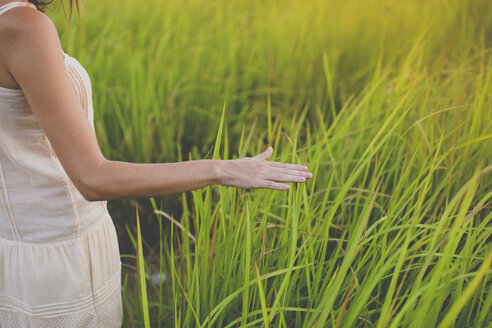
34,58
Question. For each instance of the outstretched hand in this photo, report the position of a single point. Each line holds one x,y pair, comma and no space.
258,172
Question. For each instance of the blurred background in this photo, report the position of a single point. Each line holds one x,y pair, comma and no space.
323,81
162,70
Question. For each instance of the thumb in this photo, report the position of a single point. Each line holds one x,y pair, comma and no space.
266,154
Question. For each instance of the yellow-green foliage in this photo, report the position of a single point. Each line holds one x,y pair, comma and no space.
388,102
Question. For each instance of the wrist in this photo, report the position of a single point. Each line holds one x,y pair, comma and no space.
219,169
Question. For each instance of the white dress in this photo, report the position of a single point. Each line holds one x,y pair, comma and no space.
59,256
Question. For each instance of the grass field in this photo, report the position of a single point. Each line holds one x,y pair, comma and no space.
388,102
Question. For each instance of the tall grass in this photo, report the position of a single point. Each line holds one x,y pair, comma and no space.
389,103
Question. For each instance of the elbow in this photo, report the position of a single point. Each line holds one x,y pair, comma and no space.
89,192
91,195
91,185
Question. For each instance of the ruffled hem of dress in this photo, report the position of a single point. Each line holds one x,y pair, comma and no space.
77,306
107,313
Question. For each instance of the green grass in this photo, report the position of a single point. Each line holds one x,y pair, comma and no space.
142,277
388,102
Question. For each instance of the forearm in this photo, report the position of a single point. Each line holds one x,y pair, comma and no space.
116,180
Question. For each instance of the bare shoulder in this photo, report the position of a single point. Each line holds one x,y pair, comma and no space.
25,29
21,20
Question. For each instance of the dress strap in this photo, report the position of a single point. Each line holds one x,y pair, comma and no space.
12,5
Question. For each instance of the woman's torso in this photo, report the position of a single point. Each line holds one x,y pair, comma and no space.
38,202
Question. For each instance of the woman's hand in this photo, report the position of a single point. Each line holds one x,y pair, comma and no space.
258,172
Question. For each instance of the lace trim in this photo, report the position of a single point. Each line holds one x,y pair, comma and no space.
84,304
107,314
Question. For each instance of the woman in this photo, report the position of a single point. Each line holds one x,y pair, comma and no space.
59,259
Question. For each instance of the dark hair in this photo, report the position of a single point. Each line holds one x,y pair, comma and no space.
42,4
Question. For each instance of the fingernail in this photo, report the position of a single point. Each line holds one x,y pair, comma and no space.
309,175
304,167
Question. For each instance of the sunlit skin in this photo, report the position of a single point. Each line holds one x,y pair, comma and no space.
31,59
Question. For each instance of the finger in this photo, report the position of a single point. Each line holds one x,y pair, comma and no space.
288,166
275,186
281,170
266,154
278,173
288,178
